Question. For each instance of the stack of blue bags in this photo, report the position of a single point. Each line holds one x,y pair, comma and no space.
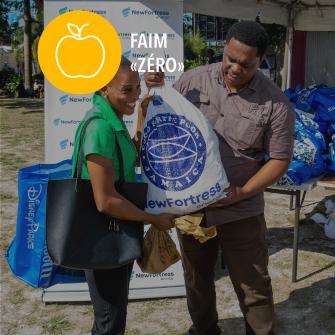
314,148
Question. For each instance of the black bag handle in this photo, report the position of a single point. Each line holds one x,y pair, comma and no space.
80,157
120,159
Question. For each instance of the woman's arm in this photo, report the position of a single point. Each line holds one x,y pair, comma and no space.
110,202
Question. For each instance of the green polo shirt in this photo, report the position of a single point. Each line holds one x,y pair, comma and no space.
100,137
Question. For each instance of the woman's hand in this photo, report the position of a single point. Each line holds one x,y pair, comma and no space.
163,221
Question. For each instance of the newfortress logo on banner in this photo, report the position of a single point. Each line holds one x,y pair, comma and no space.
135,55
66,98
66,9
170,78
161,14
61,122
127,36
161,276
65,144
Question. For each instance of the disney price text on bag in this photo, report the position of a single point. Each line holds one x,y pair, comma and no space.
180,156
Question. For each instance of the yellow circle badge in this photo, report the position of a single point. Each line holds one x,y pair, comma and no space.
79,52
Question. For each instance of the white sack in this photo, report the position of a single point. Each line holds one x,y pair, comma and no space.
180,156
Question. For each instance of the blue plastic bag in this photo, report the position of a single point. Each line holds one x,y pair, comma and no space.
323,102
27,255
297,174
331,128
301,99
308,156
306,125
318,100
330,158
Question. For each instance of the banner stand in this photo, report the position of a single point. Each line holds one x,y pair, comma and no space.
63,112
79,293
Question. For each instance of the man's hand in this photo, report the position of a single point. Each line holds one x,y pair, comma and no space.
270,172
234,194
154,79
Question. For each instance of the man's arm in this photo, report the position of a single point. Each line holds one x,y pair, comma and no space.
278,144
266,176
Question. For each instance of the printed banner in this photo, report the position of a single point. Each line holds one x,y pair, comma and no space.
63,111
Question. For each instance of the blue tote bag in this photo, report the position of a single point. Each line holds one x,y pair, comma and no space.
27,255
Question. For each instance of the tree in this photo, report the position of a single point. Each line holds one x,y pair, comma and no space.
39,10
5,29
32,29
195,50
27,43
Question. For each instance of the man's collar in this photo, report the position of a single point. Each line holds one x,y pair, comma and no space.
254,82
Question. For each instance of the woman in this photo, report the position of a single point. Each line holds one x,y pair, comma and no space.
109,288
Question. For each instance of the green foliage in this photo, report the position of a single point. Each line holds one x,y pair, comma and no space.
12,87
188,51
199,45
192,63
195,51
5,75
10,82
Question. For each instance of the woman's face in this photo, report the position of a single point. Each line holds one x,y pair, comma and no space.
123,91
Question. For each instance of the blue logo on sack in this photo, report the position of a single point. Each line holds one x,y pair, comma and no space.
173,151
63,99
125,11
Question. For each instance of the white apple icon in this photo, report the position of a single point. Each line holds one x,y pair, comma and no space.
76,34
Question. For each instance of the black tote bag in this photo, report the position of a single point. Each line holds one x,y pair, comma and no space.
80,237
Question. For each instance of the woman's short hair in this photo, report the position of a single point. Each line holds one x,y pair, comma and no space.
125,63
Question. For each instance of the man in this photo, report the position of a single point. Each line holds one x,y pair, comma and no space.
253,120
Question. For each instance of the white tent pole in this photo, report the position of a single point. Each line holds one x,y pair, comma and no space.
283,71
290,30
289,57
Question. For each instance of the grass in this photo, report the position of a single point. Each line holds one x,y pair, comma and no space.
56,325
6,196
13,162
16,296
22,133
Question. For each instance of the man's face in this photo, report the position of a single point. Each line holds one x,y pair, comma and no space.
240,63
